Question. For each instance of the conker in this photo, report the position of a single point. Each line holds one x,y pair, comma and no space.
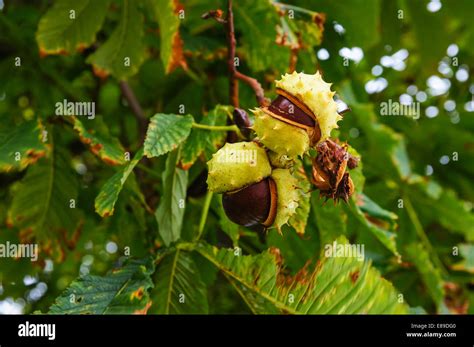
242,120
288,111
303,115
252,205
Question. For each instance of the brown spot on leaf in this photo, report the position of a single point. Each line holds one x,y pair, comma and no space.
177,56
320,19
277,254
137,294
177,6
455,299
354,276
33,155
72,241
378,222
9,222
45,52
144,310
81,46
110,161
96,148
99,72
185,166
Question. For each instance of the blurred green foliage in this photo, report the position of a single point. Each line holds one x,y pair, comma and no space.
412,210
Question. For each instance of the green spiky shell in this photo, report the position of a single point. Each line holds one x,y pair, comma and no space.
280,161
317,95
229,170
279,136
288,196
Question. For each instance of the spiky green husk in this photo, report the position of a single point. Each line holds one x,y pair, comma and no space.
280,161
288,196
279,136
237,165
317,95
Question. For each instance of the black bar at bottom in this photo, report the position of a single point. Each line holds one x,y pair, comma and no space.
380,330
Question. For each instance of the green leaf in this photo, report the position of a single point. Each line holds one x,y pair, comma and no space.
305,24
297,250
338,285
70,25
105,201
41,205
357,174
121,291
431,42
368,206
100,142
22,142
387,152
331,219
202,140
170,212
467,264
227,226
392,28
178,286
363,32
430,275
462,10
122,54
166,132
444,207
249,19
171,48
377,221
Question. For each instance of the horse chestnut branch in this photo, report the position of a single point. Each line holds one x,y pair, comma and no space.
256,178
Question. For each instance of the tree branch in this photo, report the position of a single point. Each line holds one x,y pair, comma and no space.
235,75
134,105
233,84
256,86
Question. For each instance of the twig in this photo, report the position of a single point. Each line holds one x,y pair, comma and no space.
294,50
235,75
256,86
214,14
294,54
233,84
293,60
136,108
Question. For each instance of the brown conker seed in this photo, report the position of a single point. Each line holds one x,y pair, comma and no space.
252,205
283,107
291,110
242,120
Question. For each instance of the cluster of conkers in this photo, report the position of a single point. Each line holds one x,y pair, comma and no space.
257,178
